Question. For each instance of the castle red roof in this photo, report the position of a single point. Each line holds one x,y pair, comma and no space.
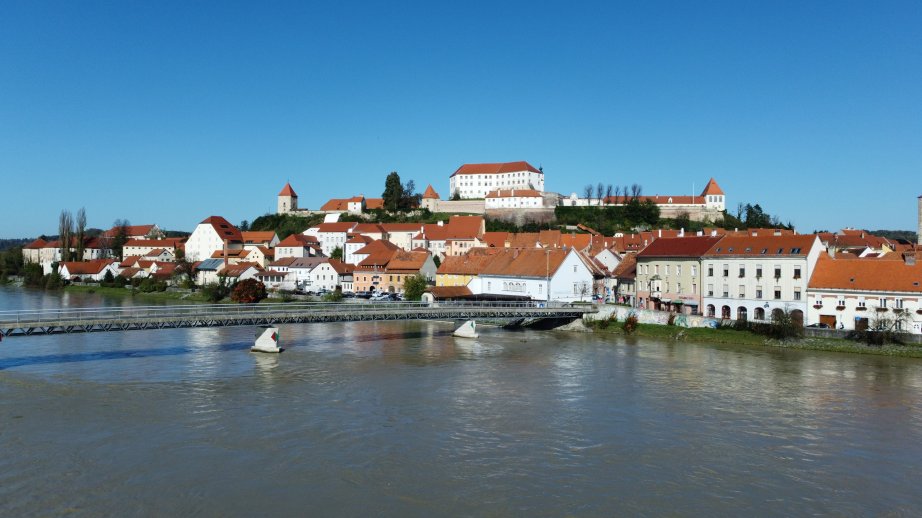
288,191
495,168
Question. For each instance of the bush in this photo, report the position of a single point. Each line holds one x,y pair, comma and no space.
215,292
249,291
630,324
54,281
414,287
150,285
32,276
333,296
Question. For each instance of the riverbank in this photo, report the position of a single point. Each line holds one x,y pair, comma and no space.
748,338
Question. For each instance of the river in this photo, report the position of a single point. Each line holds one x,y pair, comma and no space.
402,419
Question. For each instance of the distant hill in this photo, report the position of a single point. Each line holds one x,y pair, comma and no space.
905,235
6,244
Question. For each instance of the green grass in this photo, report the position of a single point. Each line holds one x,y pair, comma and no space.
194,298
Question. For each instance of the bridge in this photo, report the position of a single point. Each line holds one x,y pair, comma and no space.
132,318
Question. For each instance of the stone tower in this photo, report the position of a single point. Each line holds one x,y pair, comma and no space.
288,200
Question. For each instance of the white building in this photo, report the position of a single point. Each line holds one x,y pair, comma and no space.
854,294
750,278
535,273
212,234
94,270
476,180
332,235
514,199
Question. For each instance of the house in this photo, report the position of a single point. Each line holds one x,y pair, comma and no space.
206,272
477,180
353,245
387,269
461,232
708,205
300,272
749,277
260,255
256,238
668,273
297,245
274,280
134,232
354,205
401,234
32,252
212,234
331,274
333,235
537,274
240,271
142,247
235,256
461,269
514,199
854,294
94,270
625,275
376,253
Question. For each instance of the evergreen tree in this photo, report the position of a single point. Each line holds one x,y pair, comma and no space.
393,192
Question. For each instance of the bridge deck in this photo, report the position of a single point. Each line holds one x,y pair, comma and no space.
74,320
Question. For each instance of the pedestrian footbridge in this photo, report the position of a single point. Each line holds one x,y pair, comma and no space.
91,320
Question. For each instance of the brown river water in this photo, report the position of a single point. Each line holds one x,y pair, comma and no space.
402,419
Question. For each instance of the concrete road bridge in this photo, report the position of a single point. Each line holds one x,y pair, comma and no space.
130,318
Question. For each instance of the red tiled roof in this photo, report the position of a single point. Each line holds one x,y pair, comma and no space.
288,191
449,292
297,240
258,236
341,267
495,168
86,267
130,230
678,247
170,242
711,188
430,193
495,239
525,262
223,227
407,261
767,246
866,275
471,263
38,243
627,268
367,228
235,252
374,203
401,227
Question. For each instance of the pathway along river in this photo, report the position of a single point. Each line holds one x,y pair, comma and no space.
401,419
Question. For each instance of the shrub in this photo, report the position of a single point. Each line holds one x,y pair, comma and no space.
54,281
249,291
414,287
150,285
214,292
630,324
333,296
32,276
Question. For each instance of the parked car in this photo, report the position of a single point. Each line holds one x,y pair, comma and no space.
820,325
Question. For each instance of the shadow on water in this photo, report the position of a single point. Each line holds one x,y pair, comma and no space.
9,363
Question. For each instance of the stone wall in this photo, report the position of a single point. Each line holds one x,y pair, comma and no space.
650,316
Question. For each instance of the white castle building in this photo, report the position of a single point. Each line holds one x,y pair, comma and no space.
478,180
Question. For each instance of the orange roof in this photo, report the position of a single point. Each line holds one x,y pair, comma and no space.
577,241
401,227
526,262
514,193
430,193
38,243
341,267
374,203
866,275
449,292
342,226
236,270
336,204
761,246
495,239
223,227
236,252
471,263
678,247
130,230
296,240
288,191
360,239
495,168
86,267
258,236
407,261
627,268
367,228
711,188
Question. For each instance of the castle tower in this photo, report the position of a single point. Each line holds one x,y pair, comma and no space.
430,199
288,200
713,196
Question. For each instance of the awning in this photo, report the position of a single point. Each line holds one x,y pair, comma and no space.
690,302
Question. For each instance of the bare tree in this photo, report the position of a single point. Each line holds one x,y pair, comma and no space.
608,189
81,233
65,233
636,189
624,194
617,193
120,238
587,191
599,191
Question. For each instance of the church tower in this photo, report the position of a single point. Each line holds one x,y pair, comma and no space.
288,200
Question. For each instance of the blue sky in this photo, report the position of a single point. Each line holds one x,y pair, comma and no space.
168,112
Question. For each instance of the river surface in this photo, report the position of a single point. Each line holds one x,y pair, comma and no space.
402,419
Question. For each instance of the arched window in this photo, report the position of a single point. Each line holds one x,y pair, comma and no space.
759,314
725,312
741,313
710,310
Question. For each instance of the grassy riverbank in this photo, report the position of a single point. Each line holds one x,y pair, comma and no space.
748,338
184,297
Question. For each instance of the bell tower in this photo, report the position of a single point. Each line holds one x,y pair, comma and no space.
288,200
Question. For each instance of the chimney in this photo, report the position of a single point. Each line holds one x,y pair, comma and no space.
225,253
910,258
441,223
682,232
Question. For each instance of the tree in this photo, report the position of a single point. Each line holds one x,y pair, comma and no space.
587,192
393,191
65,233
414,287
185,268
608,190
337,254
249,291
636,191
120,238
81,232
244,225
599,191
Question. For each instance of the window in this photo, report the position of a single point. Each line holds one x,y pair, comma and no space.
797,272
726,291
742,271
540,288
898,303
742,291
726,270
655,269
862,303
667,288
882,303
841,302
678,269
710,270
759,292
777,294
694,288
777,272
694,271
710,290
796,294
759,272
574,268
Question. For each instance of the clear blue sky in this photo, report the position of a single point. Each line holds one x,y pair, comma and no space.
168,112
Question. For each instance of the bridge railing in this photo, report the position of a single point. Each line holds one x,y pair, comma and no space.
64,315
